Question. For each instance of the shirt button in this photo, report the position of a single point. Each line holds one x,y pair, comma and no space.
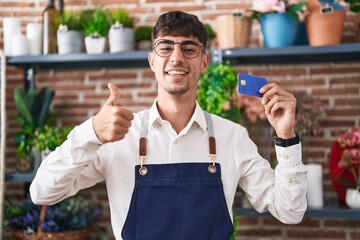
175,141
286,156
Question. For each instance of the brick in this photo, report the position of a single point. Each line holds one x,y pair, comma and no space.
336,91
303,83
17,4
309,234
183,8
328,71
109,76
259,233
334,123
232,6
344,80
347,101
106,2
271,73
341,223
343,112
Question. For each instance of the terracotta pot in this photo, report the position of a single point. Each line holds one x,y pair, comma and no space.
325,29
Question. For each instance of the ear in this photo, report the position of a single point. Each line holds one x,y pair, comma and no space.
151,61
205,62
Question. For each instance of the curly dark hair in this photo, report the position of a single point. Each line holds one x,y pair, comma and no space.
178,23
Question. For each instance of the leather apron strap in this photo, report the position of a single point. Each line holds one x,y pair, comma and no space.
143,134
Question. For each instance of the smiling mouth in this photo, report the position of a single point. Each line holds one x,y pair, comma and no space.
176,73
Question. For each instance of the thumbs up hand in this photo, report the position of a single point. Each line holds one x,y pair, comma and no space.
112,122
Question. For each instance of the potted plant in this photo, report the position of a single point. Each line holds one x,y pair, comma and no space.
279,21
325,22
216,91
96,26
47,138
33,108
69,36
121,34
344,166
70,218
143,37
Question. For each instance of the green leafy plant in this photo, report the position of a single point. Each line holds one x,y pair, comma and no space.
354,5
96,22
72,20
143,33
216,92
48,138
73,213
122,17
210,32
33,108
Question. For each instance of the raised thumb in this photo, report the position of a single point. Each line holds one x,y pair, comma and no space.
114,94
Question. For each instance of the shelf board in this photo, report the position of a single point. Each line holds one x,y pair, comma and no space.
82,60
288,55
20,177
326,212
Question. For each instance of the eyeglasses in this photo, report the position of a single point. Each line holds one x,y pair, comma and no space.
190,49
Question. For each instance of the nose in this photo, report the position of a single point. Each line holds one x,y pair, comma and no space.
177,55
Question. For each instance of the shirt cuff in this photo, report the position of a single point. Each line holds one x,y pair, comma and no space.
288,156
84,135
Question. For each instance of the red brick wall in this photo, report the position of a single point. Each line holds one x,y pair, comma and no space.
80,94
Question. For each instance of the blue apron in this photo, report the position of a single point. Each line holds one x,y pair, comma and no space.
181,201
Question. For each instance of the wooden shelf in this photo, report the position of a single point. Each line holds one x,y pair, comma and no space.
82,60
288,55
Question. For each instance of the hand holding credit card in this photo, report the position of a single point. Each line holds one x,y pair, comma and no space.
250,84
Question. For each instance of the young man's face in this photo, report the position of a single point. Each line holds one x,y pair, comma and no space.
175,72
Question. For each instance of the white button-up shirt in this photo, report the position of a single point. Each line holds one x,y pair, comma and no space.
82,161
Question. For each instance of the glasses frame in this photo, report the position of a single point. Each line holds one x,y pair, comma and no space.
173,43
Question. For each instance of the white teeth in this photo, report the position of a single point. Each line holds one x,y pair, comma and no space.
176,72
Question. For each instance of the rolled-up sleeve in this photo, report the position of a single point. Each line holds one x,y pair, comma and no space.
282,191
70,167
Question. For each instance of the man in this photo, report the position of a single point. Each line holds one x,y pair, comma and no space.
172,171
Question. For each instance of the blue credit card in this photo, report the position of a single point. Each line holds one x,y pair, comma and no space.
250,84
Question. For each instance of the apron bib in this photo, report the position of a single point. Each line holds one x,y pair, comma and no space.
181,201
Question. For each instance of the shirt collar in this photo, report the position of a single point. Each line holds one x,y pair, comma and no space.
197,117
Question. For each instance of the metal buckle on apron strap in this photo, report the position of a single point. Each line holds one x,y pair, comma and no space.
142,155
212,154
142,170
212,167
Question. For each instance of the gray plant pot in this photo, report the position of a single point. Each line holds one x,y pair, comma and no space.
69,41
121,39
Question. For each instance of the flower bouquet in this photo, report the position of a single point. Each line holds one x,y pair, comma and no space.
344,162
68,218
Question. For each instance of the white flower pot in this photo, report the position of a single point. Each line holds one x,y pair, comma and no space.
69,41
95,45
353,197
314,194
121,39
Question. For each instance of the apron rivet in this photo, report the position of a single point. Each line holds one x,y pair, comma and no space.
212,169
143,171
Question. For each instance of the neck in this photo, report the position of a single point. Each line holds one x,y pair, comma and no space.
178,110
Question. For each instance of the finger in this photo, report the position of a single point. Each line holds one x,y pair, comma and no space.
271,90
127,114
274,99
114,95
